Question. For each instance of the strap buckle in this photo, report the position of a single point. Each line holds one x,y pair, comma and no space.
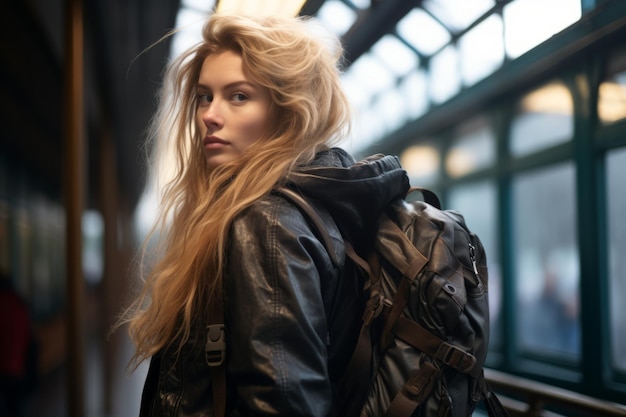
456,357
215,348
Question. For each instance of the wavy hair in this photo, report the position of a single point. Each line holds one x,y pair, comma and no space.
299,65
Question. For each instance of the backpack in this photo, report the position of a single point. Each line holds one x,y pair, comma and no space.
425,330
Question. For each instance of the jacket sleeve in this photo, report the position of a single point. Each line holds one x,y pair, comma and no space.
278,279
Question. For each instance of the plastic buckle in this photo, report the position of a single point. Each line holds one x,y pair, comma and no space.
215,348
456,357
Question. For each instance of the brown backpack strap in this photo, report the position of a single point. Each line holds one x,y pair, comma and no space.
428,196
415,390
420,338
311,215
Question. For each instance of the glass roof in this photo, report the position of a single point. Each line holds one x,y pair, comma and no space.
337,16
439,48
457,15
438,35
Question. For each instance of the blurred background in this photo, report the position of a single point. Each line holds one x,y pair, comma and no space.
513,111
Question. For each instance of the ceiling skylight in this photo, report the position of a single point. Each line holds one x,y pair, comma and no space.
336,16
422,32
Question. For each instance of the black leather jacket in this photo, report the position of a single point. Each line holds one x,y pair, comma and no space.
292,316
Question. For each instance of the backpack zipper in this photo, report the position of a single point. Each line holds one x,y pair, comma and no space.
472,254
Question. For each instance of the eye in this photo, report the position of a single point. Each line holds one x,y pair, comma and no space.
204,99
239,97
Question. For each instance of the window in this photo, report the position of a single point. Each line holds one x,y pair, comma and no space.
395,55
336,16
544,117
437,37
371,74
414,88
390,109
612,91
445,78
473,148
545,19
458,14
478,61
546,261
422,163
616,172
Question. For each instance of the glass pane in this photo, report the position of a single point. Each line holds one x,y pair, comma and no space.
547,261
430,37
391,109
395,55
369,73
616,172
358,94
527,23
367,128
543,118
612,91
458,14
477,62
336,16
444,75
413,87
421,163
473,148
481,219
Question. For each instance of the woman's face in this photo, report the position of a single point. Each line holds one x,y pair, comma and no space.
232,111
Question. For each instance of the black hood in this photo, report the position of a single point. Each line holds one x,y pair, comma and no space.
355,193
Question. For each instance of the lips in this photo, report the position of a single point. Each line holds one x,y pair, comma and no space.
213,142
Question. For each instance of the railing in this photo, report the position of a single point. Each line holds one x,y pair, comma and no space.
538,396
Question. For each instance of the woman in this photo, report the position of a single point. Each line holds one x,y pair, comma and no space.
255,106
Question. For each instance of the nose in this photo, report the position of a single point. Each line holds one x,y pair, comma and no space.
212,115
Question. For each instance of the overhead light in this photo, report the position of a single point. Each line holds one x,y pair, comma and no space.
421,162
285,8
551,98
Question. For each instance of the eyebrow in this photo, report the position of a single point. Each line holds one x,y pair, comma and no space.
230,85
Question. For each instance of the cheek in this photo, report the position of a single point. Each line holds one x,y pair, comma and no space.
256,128
199,123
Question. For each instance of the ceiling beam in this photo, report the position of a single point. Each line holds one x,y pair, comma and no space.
372,24
311,7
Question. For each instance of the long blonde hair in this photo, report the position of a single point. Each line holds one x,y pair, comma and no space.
309,110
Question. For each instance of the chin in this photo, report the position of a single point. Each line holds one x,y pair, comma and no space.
215,161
